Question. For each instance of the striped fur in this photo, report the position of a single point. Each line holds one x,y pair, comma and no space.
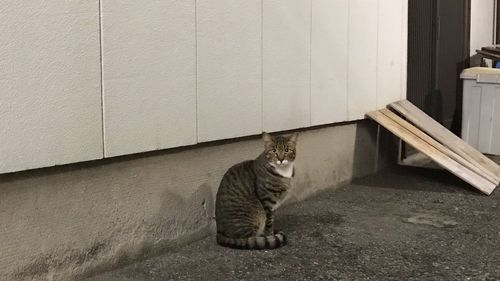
248,194
255,242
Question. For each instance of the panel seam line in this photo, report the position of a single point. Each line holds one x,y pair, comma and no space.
101,65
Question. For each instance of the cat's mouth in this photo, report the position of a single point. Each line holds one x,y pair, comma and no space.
281,163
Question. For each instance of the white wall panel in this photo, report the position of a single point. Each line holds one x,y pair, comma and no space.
329,61
362,73
482,22
389,48
404,49
50,101
229,52
149,75
175,73
286,64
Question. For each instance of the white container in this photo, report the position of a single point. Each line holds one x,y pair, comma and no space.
481,109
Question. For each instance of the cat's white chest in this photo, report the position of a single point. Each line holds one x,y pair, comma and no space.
285,171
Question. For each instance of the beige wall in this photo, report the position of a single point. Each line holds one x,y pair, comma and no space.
176,73
50,87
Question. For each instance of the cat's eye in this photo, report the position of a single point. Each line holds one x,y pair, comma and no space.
274,150
286,150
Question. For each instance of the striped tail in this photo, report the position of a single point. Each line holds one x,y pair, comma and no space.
253,243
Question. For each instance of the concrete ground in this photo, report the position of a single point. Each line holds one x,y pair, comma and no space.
401,224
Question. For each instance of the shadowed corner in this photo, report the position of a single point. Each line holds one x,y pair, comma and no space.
417,179
375,149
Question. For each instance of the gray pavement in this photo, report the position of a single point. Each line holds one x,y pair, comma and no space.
401,224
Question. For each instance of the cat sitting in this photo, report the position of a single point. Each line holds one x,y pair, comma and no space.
250,192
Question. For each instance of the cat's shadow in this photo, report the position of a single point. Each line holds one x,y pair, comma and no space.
290,222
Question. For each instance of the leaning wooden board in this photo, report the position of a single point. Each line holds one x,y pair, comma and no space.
445,137
439,146
442,159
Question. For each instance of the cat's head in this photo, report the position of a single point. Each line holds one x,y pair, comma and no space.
280,150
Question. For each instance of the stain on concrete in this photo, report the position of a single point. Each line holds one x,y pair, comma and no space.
431,220
179,218
52,262
179,215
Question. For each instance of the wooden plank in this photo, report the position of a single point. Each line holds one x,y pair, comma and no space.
445,137
442,159
483,173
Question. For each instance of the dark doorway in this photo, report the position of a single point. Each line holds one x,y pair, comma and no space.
438,51
497,23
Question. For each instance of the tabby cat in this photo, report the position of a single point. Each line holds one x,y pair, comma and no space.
250,192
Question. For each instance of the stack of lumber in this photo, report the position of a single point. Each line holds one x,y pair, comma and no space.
422,132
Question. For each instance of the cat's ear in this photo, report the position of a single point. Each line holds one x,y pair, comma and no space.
267,138
293,138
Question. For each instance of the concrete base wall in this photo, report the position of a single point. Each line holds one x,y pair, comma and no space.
66,222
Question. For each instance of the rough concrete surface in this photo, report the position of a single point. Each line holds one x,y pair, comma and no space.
76,220
401,224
